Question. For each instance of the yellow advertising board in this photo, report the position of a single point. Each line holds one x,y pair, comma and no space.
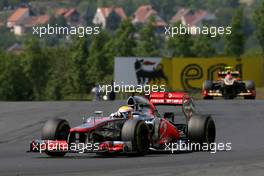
189,73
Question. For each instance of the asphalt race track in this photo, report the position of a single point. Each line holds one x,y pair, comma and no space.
237,121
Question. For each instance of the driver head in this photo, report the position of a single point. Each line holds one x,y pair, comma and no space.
229,76
126,111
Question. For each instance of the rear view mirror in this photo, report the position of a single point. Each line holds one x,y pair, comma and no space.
98,113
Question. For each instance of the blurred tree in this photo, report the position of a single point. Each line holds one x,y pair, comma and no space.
129,6
98,63
231,3
147,44
76,2
54,40
166,8
223,16
203,46
216,4
3,3
179,45
124,40
59,21
37,67
113,21
235,42
6,38
122,44
14,84
63,80
259,23
194,4
80,54
89,13
211,5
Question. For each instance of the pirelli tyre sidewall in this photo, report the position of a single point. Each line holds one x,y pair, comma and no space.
201,129
55,129
137,132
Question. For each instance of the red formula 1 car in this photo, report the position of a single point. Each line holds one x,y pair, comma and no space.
146,129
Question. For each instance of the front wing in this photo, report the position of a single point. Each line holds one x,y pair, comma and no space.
44,146
217,93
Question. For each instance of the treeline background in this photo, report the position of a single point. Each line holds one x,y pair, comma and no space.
59,68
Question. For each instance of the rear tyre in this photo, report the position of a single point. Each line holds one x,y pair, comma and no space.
207,86
55,129
138,133
250,85
201,129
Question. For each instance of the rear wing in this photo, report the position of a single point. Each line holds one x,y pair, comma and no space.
168,98
224,73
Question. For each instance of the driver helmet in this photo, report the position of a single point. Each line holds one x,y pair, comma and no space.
229,77
126,111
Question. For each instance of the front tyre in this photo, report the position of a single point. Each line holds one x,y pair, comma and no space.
137,132
55,129
207,86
